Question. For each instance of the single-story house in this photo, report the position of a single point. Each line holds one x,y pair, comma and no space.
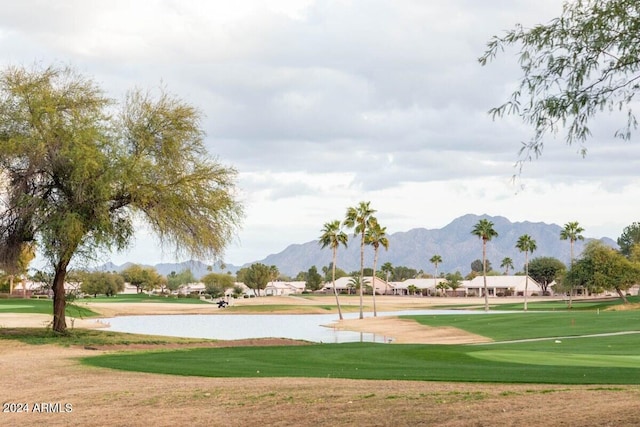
344,285
191,288
503,286
426,287
284,288
27,288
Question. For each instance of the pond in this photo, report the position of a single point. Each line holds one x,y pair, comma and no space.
307,327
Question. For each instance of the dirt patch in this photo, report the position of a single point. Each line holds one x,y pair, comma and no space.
252,342
407,331
53,376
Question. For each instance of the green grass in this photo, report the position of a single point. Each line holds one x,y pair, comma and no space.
577,305
41,306
145,298
401,362
512,326
580,360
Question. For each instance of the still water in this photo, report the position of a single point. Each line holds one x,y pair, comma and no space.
309,327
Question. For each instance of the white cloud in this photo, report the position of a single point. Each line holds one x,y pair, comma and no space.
320,104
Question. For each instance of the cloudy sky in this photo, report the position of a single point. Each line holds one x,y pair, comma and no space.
321,104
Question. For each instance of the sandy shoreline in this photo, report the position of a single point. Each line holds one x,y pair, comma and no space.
406,331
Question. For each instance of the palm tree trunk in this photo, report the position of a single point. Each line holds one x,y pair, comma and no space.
526,278
435,278
375,260
484,274
333,279
571,261
361,271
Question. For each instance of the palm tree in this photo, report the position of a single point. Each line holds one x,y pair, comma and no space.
387,268
484,230
507,263
527,245
571,232
355,283
333,236
359,218
273,273
435,260
376,236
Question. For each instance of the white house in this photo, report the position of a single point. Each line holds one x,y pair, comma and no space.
191,288
344,285
284,288
425,287
503,286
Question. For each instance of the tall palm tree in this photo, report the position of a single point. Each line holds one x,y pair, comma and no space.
376,236
273,273
484,230
527,245
387,267
435,260
333,236
507,263
359,218
571,232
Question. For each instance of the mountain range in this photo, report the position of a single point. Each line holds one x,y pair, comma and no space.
454,243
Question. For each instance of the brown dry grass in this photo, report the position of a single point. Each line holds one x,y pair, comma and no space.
102,397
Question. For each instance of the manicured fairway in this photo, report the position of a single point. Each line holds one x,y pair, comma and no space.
144,298
524,325
385,362
559,359
611,359
42,306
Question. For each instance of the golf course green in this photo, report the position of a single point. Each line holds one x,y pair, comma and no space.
554,347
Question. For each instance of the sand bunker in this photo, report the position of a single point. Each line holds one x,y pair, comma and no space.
407,331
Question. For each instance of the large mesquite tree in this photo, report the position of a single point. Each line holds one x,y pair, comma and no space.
76,169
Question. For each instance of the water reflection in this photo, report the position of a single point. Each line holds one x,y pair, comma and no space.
243,326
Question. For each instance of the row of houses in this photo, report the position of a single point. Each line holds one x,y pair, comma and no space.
497,286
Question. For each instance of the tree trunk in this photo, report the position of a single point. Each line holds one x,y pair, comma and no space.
373,279
361,271
526,278
59,298
333,279
484,274
622,295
